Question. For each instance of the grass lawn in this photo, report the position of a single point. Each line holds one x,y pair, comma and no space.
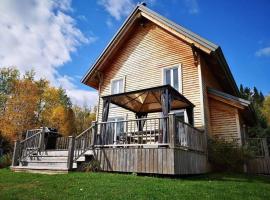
120,186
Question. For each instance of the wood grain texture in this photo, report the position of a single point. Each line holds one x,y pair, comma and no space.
151,160
224,123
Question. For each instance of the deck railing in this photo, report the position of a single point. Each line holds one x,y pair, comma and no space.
188,136
143,133
135,132
260,147
84,141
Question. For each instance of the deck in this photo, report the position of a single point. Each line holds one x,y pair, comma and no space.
143,145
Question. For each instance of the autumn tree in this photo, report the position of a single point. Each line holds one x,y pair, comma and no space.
83,117
20,109
63,120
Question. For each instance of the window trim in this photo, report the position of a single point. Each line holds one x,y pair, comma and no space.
118,79
179,67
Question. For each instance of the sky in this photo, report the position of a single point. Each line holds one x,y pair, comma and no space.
61,39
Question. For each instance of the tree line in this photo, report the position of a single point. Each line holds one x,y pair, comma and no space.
27,103
261,105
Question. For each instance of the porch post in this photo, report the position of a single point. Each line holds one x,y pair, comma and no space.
165,103
16,152
71,143
140,123
172,129
105,114
190,115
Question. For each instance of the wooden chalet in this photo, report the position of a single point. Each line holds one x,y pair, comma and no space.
163,90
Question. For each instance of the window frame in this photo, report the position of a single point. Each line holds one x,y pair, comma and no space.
171,67
118,79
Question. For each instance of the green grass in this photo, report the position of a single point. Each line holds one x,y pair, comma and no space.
120,186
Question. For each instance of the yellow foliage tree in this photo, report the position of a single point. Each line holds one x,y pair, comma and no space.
63,120
20,109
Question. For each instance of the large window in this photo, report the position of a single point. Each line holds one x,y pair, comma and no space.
117,86
171,77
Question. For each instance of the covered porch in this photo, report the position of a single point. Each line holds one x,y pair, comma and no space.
142,130
160,145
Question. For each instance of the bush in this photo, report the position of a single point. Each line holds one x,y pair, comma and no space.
5,160
227,156
91,166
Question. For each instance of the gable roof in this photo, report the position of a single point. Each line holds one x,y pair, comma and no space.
181,32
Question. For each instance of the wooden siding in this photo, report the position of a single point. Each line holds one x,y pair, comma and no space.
152,160
208,80
224,120
140,62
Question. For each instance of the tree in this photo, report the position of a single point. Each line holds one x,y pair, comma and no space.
261,129
7,77
63,120
83,118
266,109
20,109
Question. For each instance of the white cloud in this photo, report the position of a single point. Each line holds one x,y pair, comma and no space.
263,52
117,8
78,96
192,6
40,35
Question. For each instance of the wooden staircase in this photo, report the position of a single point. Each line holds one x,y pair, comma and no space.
30,154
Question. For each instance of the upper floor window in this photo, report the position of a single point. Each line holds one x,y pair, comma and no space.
117,86
171,77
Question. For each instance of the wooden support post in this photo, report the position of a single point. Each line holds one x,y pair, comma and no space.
71,142
41,144
16,153
265,148
94,133
172,128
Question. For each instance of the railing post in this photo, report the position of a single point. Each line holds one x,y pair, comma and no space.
94,134
172,127
16,153
71,142
41,140
265,147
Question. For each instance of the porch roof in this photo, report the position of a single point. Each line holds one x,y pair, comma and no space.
149,100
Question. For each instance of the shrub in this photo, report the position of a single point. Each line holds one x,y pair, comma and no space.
91,166
5,160
227,156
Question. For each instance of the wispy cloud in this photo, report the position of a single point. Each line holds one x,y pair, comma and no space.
264,52
40,35
192,6
117,8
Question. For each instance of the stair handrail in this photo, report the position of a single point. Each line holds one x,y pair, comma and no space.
32,144
84,141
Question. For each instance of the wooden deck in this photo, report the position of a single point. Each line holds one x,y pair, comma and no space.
151,160
131,149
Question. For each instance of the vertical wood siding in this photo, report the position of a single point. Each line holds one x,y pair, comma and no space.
152,160
140,61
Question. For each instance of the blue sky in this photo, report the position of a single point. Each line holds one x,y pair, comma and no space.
241,28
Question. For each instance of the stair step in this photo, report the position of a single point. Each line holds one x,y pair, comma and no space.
54,153
41,170
45,158
44,164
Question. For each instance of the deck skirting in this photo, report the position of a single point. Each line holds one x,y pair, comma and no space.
151,160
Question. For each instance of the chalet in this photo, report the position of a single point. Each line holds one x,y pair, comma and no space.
163,91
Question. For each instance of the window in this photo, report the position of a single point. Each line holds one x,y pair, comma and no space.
117,86
171,77
117,128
